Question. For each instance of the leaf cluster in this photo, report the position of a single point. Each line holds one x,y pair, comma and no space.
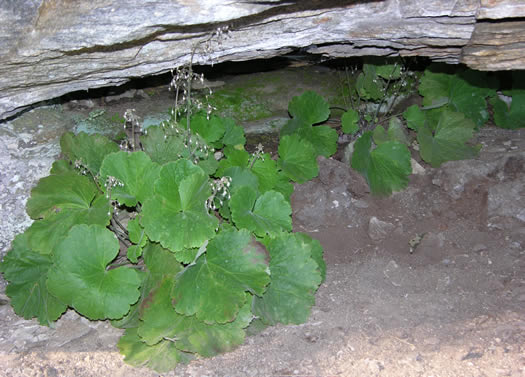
178,246
455,105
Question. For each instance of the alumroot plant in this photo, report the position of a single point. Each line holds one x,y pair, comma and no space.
199,248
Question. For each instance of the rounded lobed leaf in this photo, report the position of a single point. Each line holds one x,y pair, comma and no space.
161,357
57,192
80,279
386,168
135,171
176,216
188,333
268,214
90,149
297,158
349,122
295,279
310,107
26,271
448,141
214,287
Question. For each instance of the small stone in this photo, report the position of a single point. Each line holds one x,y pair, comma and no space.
479,247
379,230
416,167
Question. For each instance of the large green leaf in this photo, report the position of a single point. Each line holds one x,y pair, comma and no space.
295,279
316,251
233,134
160,263
266,171
90,149
465,90
368,85
135,171
448,142
214,287
160,321
386,168
161,357
297,158
323,138
269,213
396,132
176,214
241,177
310,107
44,235
210,130
26,272
80,278
55,193
233,157
163,144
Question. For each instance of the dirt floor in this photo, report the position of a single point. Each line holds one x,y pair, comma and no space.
428,282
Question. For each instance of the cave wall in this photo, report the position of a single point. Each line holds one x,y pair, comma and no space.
53,47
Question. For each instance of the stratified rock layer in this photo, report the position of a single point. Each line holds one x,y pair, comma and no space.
53,47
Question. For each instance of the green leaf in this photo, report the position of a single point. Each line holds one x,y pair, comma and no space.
234,157
160,263
388,71
294,125
295,279
297,158
349,122
310,107
395,133
466,91
188,333
161,357
323,138
80,279
44,235
163,144
136,232
209,164
133,253
61,167
241,177
137,173
266,171
368,85
385,168
233,134
268,214
447,143
210,130
90,149
284,186
513,117
176,214
316,251
414,116
213,288
55,193
26,272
